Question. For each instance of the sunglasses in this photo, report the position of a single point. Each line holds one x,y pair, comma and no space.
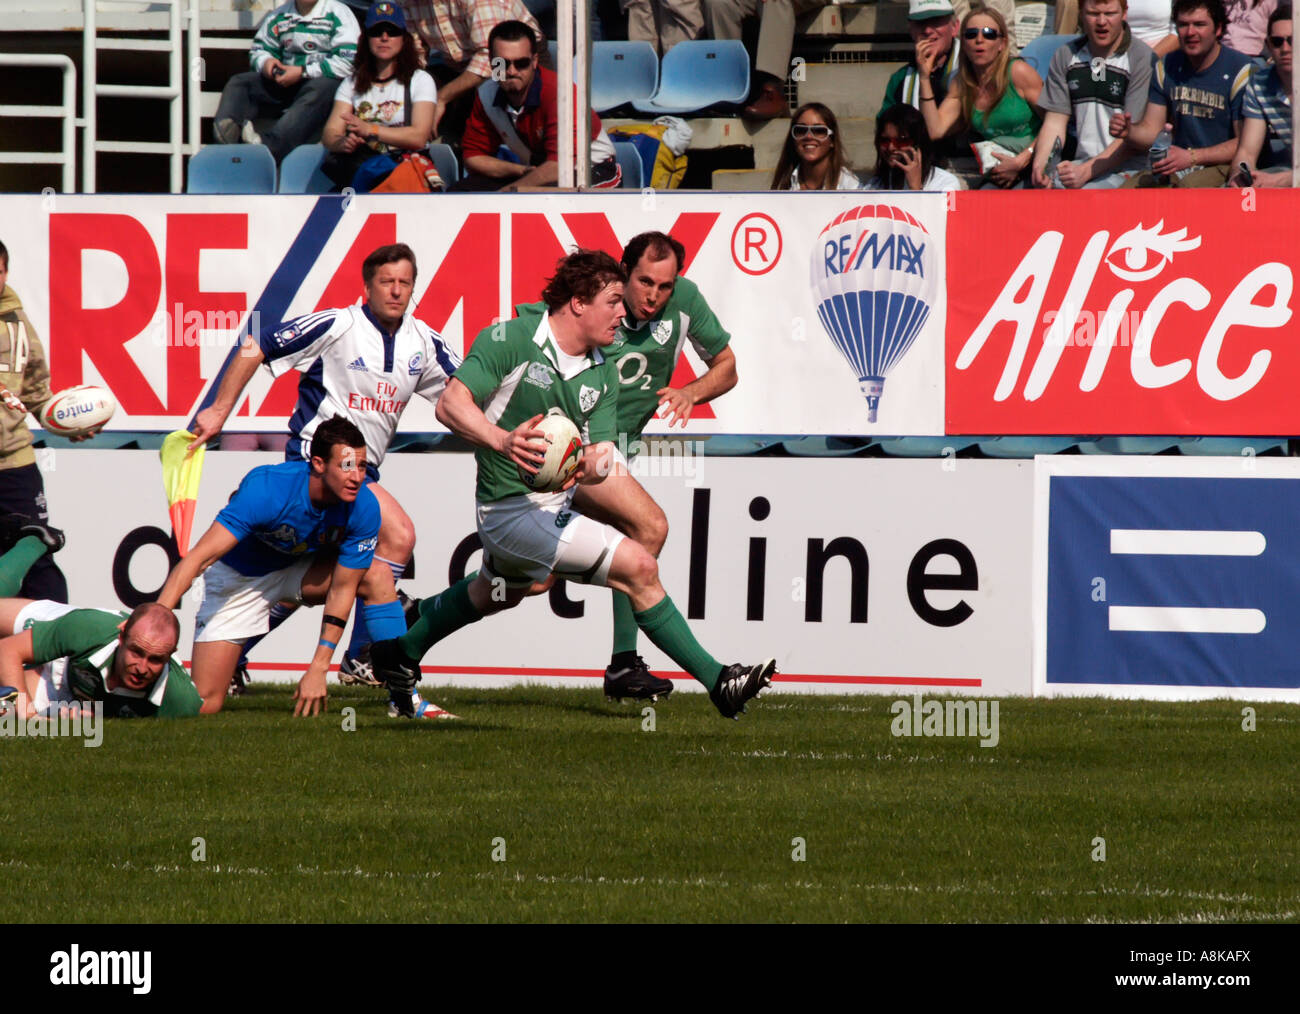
988,32
817,130
886,143
1278,41
523,63
384,31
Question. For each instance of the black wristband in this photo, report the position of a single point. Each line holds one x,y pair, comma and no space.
327,618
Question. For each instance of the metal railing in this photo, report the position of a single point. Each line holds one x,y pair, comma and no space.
66,109
183,123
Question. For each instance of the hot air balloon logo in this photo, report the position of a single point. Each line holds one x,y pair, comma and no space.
874,281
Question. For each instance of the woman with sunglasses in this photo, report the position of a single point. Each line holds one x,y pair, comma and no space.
993,95
905,154
386,106
813,156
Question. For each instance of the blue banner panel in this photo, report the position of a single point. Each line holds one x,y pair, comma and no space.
1173,581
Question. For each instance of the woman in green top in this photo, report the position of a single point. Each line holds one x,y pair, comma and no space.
994,95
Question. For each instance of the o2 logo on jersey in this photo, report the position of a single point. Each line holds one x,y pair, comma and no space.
413,367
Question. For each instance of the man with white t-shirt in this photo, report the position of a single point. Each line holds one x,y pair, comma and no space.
1089,79
363,363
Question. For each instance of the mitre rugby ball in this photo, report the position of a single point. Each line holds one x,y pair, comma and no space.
563,452
78,410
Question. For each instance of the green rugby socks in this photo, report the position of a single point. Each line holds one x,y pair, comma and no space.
667,628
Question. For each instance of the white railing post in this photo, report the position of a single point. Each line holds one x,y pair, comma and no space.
66,110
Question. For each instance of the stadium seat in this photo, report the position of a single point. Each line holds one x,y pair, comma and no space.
1231,446
731,444
622,72
300,172
698,74
1128,445
1038,54
923,447
445,159
231,169
1025,447
825,447
630,162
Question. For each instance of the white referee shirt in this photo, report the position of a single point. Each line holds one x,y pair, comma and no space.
352,367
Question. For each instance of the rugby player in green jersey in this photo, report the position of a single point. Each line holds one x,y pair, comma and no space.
662,313
511,378
54,655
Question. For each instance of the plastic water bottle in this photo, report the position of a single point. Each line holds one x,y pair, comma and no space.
1159,150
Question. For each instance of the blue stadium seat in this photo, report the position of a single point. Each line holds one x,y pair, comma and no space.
1230,446
698,74
731,444
1127,445
923,447
445,159
231,169
1038,54
622,72
1025,447
825,447
630,162
300,172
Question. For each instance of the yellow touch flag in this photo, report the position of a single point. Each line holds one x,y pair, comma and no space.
181,480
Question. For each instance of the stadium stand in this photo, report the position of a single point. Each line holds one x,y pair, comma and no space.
231,169
300,172
622,73
698,75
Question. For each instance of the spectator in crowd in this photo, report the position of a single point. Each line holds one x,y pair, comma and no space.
813,156
933,27
662,23
1247,25
454,34
905,154
1148,20
386,106
300,52
1197,95
1088,80
512,135
1007,8
1266,128
775,42
992,94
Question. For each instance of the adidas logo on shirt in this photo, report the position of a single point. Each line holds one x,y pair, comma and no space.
357,364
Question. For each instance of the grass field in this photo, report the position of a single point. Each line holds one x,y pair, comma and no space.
303,821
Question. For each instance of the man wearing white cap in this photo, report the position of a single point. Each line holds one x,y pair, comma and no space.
933,26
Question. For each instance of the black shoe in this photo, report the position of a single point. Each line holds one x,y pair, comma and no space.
52,537
410,607
738,683
239,681
358,671
398,673
10,526
635,681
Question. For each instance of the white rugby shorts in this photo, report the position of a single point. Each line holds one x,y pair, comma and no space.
236,606
526,541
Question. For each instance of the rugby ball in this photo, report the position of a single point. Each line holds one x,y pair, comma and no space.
78,410
563,452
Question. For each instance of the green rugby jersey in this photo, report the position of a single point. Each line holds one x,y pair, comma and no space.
645,353
323,42
513,371
88,639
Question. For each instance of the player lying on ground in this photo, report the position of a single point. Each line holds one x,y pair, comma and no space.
363,363
56,655
300,531
662,313
507,384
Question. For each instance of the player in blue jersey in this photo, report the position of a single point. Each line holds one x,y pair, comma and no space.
303,531
363,363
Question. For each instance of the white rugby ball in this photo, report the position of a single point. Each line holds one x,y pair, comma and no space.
78,410
563,452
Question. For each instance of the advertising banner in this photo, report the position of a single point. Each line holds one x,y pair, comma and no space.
835,302
1133,312
1167,578
865,575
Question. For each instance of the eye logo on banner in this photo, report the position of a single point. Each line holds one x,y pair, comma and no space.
874,280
